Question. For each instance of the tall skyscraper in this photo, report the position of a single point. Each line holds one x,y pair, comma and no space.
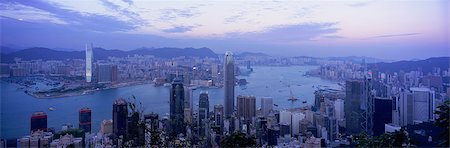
188,104
246,107
405,108
177,108
382,114
266,105
89,60
353,96
229,83
38,121
120,118
203,112
85,119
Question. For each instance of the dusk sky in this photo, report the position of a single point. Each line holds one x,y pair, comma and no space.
383,29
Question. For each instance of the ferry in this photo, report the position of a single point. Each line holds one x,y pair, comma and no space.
51,108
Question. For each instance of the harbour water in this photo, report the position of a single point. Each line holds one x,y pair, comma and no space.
17,107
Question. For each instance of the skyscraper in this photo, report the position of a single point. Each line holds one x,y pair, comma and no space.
246,107
120,118
218,117
382,114
39,121
424,104
177,108
203,112
266,105
85,119
89,59
353,96
188,104
229,83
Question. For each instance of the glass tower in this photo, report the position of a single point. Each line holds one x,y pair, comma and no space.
89,58
229,83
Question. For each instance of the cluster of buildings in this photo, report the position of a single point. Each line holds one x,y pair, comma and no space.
370,101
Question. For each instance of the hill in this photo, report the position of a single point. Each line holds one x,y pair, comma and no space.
425,65
36,53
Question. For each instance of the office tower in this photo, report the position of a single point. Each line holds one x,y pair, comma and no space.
339,109
354,90
203,112
188,104
38,121
106,73
272,136
229,84
152,120
296,118
424,104
114,74
214,70
177,108
134,131
120,118
286,120
218,117
85,119
405,108
266,105
89,60
382,114
318,99
246,107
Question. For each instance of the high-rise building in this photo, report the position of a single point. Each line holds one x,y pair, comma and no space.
246,107
405,108
85,119
188,104
120,118
203,112
382,114
266,105
229,83
218,117
354,90
153,121
424,104
38,121
177,108
89,60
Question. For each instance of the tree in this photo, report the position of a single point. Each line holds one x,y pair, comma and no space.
442,121
238,139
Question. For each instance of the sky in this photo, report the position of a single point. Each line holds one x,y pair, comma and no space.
390,29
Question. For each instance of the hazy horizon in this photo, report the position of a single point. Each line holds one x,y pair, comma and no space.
391,30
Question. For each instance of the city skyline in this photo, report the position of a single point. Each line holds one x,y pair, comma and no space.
405,30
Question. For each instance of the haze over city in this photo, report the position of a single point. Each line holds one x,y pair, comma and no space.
393,30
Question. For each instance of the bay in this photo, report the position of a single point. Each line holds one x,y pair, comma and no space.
17,107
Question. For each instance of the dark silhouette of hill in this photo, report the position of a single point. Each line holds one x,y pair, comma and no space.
36,53
426,65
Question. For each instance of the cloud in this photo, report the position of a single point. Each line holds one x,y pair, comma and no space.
393,35
360,4
29,14
290,33
333,37
179,29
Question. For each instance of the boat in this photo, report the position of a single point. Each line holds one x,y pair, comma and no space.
303,102
292,98
51,108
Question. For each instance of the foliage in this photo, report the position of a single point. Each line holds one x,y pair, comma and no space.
395,139
238,139
442,121
76,132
